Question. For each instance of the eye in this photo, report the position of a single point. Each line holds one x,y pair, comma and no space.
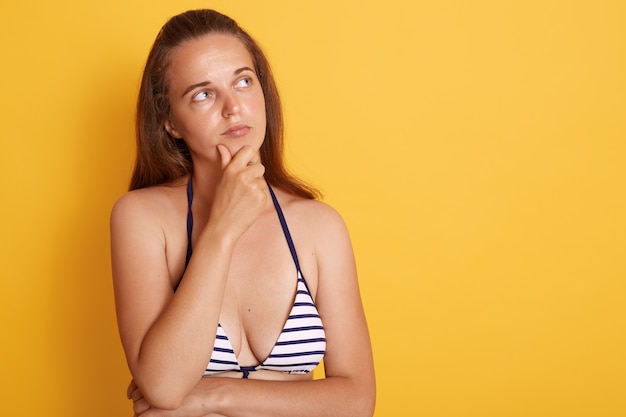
244,82
201,96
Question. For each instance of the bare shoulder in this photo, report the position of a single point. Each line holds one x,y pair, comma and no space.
148,233
148,203
315,216
149,216
316,227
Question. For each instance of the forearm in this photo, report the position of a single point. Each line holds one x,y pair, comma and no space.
330,397
178,346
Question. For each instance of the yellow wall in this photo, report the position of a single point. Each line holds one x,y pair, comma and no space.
476,149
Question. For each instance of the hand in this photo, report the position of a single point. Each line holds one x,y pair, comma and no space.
242,192
141,408
140,405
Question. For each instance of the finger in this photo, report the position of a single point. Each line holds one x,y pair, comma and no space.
256,158
136,395
225,155
254,171
262,184
141,406
131,387
258,170
247,155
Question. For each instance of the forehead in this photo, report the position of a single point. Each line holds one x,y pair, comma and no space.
207,58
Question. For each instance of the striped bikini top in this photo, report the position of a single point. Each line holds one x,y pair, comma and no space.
302,342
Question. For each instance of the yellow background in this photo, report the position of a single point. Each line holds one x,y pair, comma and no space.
475,148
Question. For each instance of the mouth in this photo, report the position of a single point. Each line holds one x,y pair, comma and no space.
236,131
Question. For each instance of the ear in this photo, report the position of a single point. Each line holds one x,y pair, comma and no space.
171,129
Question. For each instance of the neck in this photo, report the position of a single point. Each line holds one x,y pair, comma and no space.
205,179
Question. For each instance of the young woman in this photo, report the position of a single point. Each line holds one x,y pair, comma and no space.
232,282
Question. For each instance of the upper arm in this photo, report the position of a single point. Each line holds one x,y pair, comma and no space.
141,279
339,303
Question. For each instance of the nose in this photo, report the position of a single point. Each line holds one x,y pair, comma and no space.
230,105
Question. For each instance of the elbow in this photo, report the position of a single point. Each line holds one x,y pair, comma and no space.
161,390
366,403
370,407
162,396
362,399
164,402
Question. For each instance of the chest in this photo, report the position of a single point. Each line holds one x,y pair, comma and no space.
261,286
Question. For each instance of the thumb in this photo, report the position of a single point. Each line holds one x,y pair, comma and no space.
224,155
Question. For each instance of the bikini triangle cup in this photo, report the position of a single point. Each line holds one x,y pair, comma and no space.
301,345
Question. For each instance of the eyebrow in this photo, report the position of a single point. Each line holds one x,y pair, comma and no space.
205,83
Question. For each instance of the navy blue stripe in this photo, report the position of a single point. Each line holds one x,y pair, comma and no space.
220,337
271,365
302,341
225,350
303,316
189,221
299,329
291,355
223,363
283,224
304,304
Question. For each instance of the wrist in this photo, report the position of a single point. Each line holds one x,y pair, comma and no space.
218,237
214,398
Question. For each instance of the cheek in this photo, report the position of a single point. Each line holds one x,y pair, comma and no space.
191,124
261,110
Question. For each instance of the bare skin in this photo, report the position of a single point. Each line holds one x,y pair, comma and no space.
241,273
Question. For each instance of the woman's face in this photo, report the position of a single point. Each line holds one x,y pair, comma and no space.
215,97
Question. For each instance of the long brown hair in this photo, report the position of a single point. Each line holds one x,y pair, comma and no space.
162,158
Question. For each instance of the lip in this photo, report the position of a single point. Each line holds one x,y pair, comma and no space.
236,131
